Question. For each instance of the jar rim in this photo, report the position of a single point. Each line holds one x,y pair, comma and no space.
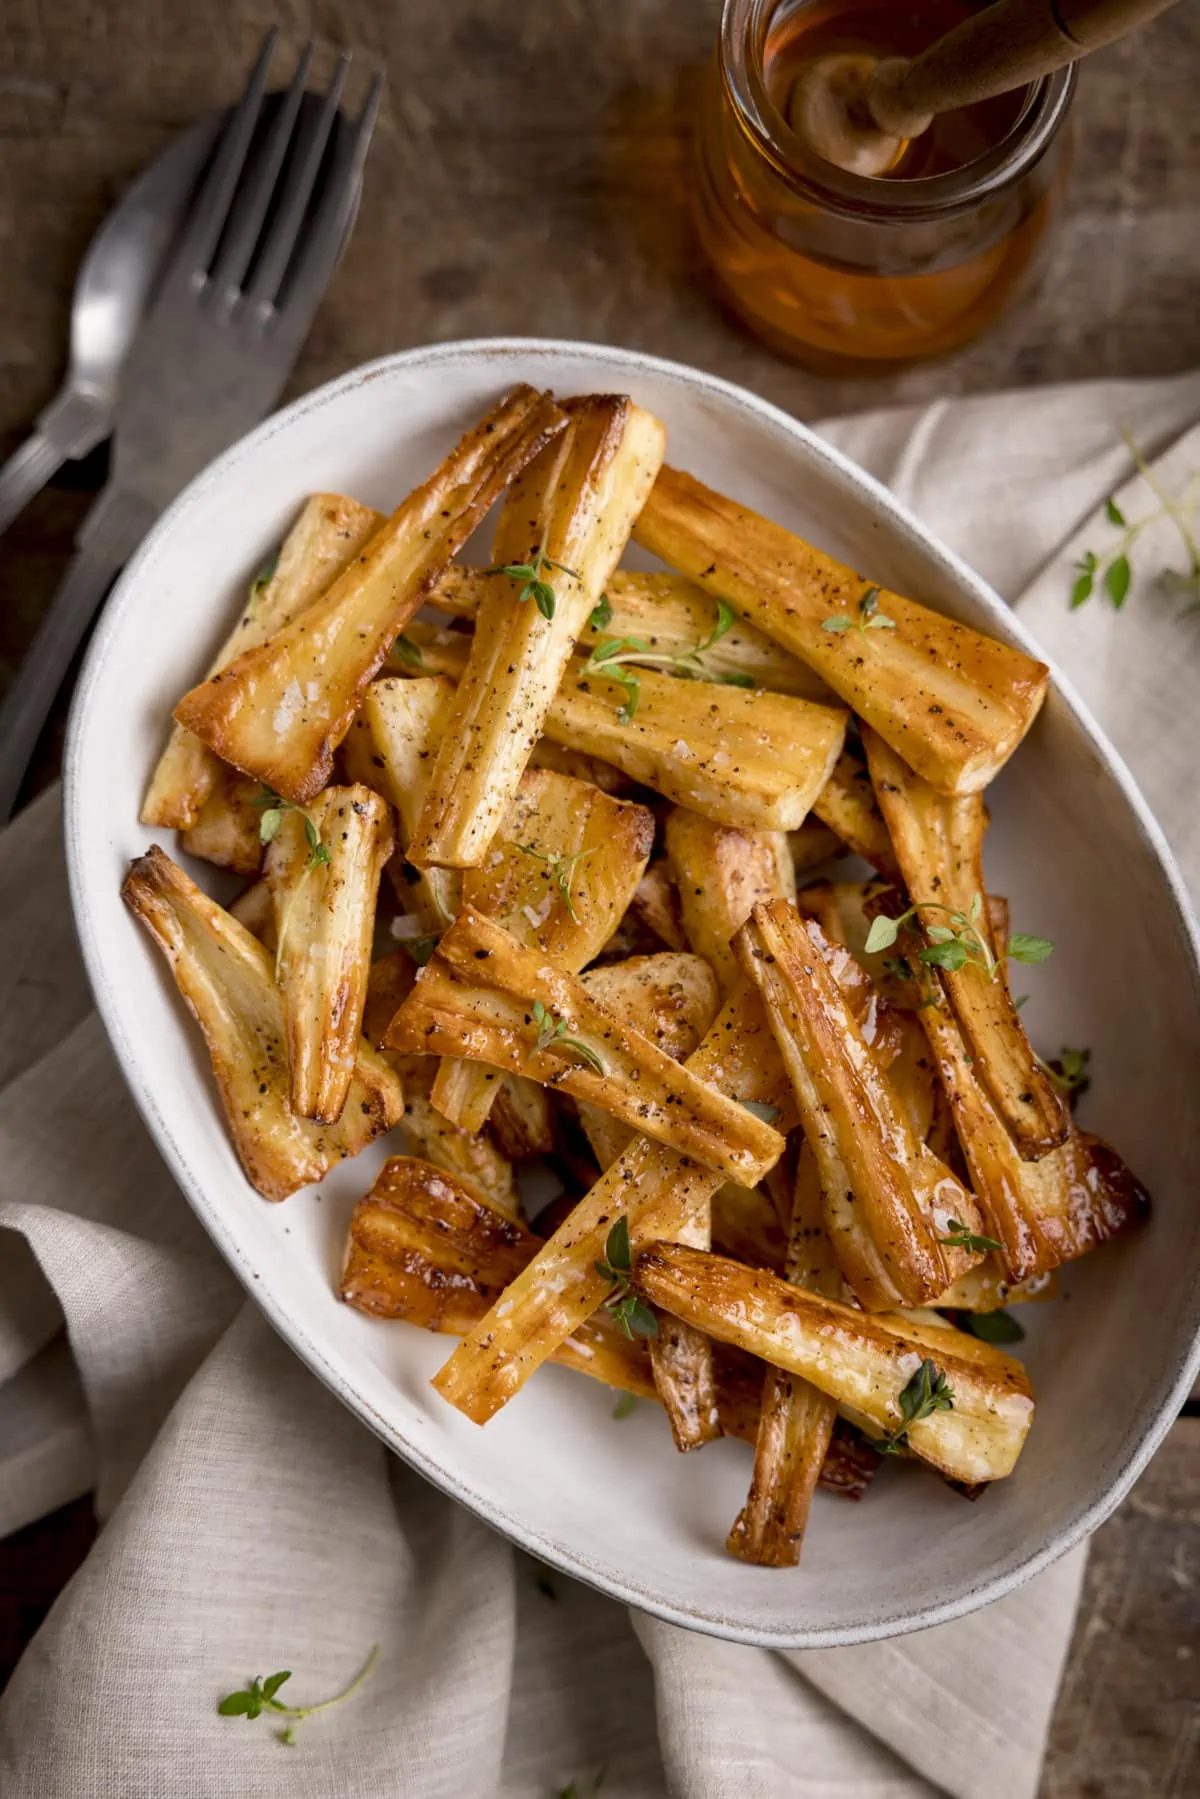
744,25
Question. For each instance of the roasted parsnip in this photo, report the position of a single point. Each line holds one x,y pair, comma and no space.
848,807
891,1031
422,1248
227,980
486,997
746,1225
953,703
559,875
323,541
889,1201
1043,1212
863,1361
939,847
282,708
470,1156
721,875
655,903
521,1118
565,524
797,1419
581,767
256,910
227,822
754,760
670,617
323,867
650,1185
391,746
813,844
672,999
987,1288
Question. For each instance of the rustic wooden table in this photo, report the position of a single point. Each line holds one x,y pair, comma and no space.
527,177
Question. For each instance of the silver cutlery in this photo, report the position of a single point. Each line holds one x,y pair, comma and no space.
232,309
112,290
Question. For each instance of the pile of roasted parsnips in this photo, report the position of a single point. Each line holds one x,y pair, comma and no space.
584,813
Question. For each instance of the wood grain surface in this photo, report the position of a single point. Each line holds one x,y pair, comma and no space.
528,176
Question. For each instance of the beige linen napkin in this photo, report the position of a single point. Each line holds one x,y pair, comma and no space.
252,1524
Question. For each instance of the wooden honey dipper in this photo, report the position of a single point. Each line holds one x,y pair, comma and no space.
860,111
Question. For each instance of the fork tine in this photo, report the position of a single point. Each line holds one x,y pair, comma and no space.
207,216
318,256
250,206
307,155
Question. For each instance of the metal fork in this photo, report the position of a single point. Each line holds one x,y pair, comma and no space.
235,303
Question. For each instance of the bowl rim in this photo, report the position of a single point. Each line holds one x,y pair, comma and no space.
1085,1517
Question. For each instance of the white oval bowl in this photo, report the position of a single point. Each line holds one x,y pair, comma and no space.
1072,845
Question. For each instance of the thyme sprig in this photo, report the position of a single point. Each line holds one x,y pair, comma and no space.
628,1308
274,806
252,1701
261,581
869,618
962,1238
614,658
405,651
1068,1071
561,871
1112,567
959,941
926,1393
531,574
552,1034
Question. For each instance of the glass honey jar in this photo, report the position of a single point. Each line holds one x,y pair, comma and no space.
852,274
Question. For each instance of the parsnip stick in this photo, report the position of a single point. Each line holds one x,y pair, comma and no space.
423,1249
566,521
813,844
484,996
650,1185
469,1156
1045,1212
559,875
655,903
281,709
863,1361
889,1200
672,999
227,980
522,1116
797,1419
391,746
323,541
750,760
225,830
847,805
953,703
323,869
721,875
939,848
670,616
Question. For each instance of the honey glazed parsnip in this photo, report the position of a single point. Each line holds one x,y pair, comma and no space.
661,890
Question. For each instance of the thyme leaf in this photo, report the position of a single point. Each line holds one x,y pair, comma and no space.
552,1034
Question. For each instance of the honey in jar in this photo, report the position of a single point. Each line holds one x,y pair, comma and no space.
853,273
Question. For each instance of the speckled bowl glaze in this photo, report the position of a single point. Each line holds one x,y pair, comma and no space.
1073,847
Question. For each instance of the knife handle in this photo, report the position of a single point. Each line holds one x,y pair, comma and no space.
75,421
110,533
